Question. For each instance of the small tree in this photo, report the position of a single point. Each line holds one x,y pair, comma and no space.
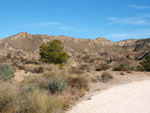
53,52
146,63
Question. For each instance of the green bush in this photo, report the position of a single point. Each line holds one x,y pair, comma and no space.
57,86
6,72
53,52
146,63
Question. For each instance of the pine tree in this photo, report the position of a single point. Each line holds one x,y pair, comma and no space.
53,52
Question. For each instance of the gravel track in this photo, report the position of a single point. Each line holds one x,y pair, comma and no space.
128,98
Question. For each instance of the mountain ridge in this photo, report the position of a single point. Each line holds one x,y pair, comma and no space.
77,48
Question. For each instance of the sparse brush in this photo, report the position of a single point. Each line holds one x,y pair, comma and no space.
57,86
121,67
3,59
132,68
79,81
37,81
8,92
103,67
52,74
84,67
129,71
34,68
6,72
36,101
140,68
38,93
39,69
122,73
106,76
75,70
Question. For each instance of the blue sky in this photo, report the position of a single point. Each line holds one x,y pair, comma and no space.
114,19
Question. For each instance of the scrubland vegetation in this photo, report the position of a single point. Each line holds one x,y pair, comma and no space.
51,86
106,76
51,89
50,92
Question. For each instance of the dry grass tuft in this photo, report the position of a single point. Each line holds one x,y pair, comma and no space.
79,81
122,73
106,76
34,68
36,101
8,92
102,67
37,81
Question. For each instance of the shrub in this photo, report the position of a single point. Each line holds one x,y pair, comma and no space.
146,63
89,58
79,81
34,68
129,71
121,67
38,81
132,68
53,52
103,67
3,59
57,86
39,69
76,70
110,61
106,76
140,68
52,74
121,73
83,66
6,72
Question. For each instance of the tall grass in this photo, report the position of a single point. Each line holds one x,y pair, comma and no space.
33,94
36,101
8,92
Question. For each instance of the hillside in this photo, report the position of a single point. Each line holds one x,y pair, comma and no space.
30,43
27,46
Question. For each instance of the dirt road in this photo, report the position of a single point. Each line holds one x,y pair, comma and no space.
128,98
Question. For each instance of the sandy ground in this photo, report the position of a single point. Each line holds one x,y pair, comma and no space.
112,97
20,75
118,79
127,98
